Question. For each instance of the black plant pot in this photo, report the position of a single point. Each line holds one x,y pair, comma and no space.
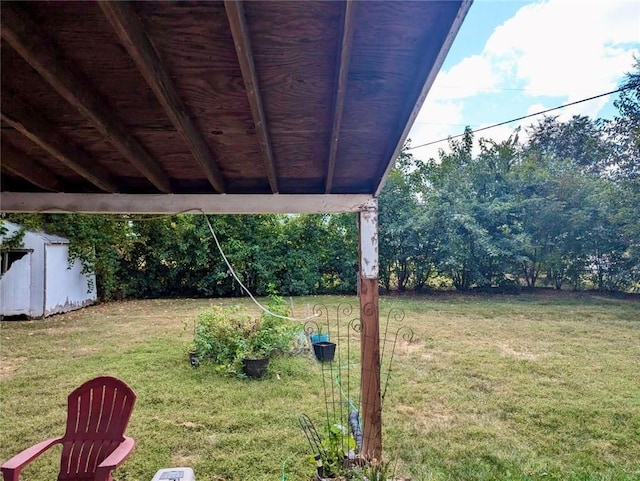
324,351
255,367
320,476
194,360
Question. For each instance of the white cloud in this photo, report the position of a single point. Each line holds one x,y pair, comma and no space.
436,120
564,49
466,79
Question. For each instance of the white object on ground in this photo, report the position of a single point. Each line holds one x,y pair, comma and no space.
174,474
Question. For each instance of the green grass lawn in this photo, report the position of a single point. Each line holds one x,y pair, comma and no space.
523,387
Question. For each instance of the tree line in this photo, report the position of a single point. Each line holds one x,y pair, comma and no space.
560,209
555,205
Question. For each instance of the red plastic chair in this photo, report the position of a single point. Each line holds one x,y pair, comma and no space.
94,443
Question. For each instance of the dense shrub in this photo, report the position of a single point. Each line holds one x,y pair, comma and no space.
224,336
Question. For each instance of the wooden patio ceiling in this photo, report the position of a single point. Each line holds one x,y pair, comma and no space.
198,99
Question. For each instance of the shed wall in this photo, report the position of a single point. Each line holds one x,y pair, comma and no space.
35,242
30,285
66,287
44,280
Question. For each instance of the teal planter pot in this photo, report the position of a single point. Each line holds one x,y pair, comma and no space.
315,338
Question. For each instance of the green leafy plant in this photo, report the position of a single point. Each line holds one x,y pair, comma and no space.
224,336
220,334
336,444
10,241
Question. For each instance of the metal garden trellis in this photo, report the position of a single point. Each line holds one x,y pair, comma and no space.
342,378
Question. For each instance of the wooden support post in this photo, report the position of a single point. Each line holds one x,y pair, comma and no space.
371,409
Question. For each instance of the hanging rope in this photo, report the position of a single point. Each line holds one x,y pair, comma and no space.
244,288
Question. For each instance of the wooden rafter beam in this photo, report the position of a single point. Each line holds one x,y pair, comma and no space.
342,69
18,163
416,105
185,203
240,33
130,31
39,51
17,114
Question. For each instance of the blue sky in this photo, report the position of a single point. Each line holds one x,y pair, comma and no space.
513,58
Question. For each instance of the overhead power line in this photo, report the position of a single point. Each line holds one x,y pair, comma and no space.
527,116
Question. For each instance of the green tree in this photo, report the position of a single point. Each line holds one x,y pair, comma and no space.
563,172
169,256
405,249
624,130
579,140
469,210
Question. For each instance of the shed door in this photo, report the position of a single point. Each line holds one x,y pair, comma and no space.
15,283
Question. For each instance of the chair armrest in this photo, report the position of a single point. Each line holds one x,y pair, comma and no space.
11,468
115,459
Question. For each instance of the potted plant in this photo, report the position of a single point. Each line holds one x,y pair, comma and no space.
374,470
219,333
240,344
262,341
324,351
255,367
194,358
192,351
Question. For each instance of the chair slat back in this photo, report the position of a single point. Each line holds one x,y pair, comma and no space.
97,417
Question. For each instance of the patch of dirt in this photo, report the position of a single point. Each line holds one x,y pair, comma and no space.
437,416
417,347
184,459
436,354
52,331
410,347
190,425
522,355
9,366
86,351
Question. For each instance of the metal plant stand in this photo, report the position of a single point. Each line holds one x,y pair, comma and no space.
341,377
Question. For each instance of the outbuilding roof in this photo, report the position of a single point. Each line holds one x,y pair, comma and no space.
47,238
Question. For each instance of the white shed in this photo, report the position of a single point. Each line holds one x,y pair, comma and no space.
37,280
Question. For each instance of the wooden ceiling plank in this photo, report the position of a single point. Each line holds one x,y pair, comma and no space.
240,33
130,31
18,163
24,35
344,57
185,203
17,114
422,95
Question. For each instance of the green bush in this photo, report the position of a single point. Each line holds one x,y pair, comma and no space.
219,335
224,336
